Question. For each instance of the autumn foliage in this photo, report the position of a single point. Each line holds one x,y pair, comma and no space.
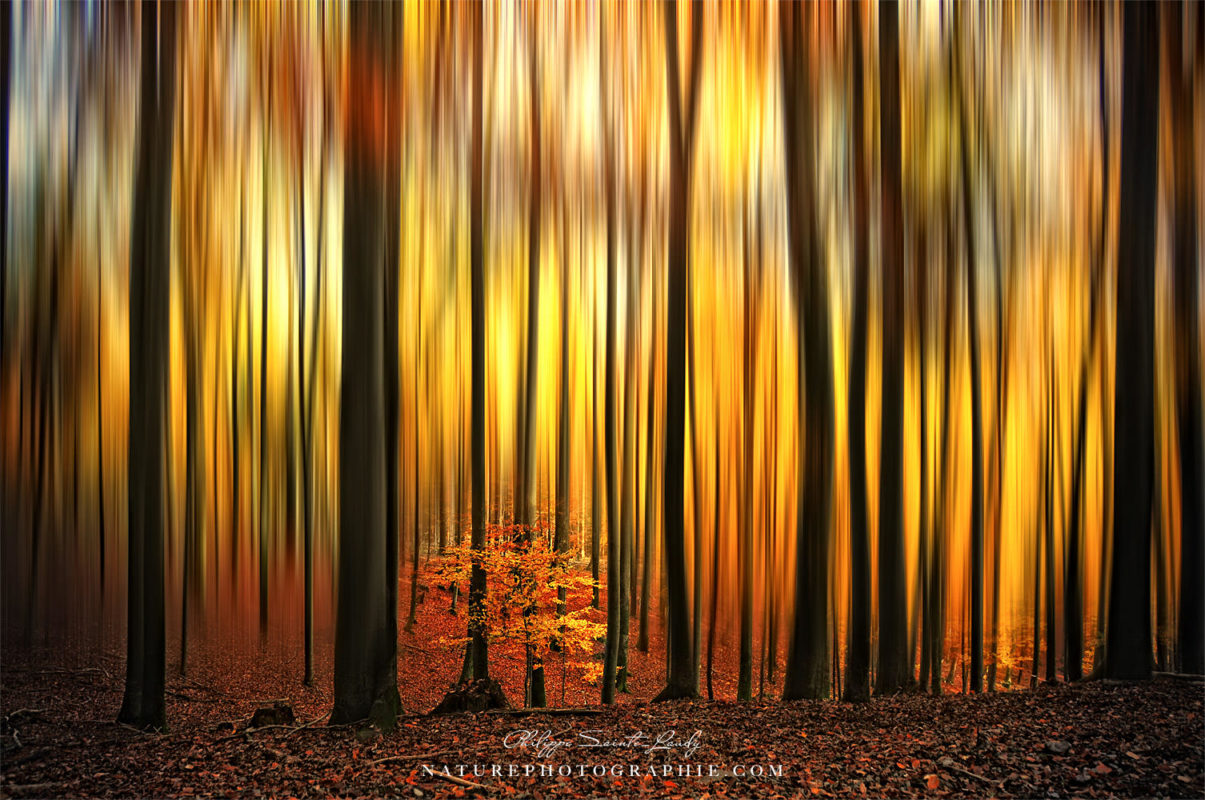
525,575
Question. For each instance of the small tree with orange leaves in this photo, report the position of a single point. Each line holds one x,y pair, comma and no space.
524,576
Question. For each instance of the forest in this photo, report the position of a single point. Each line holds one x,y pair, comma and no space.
701,398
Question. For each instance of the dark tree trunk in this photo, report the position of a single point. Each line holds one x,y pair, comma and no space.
1191,633
936,571
808,657
715,560
1128,654
524,484
610,434
392,69
150,254
857,667
1052,460
627,510
744,683
1073,622
681,671
972,295
564,430
365,682
307,435
893,673
477,582
642,643
697,471
595,488
262,527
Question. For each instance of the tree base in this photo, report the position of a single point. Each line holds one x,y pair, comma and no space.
673,692
480,695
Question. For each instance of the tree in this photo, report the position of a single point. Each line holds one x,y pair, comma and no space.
1128,637
610,435
1191,634
857,666
893,673
682,674
807,657
968,216
262,528
365,630
752,285
523,483
478,651
150,253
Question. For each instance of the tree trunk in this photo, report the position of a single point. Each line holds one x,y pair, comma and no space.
263,375
972,295
150,254
1128,654
1191,632
681,671
365,681
808,658
477,582
893,672
744,684
857,667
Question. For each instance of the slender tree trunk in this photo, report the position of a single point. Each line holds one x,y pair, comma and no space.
744,684
936,571
1129,628
642,643
263,371
972,295
715,560
1052,460
697,471
595,488
477,582
1191,633
614,572
893,672
857,667
143,703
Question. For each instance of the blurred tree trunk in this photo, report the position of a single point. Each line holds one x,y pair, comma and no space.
857,668
595,488
972,295
1191,633
391,74
893,672
614,573
150,256
1052,460
697,473
752,285
263,360
1128,655
650,418
477,582
681,670
627,511
808,658
941,512
365,680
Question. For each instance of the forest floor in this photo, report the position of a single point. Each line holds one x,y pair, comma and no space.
58,701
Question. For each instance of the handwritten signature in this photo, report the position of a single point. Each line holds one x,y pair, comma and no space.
546,743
